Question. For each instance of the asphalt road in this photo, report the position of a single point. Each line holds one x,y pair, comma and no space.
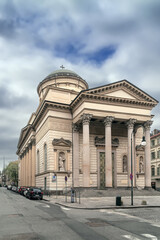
21,219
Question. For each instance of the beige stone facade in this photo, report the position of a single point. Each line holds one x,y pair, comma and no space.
88,137
155,159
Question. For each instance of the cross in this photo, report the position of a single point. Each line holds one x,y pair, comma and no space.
62,67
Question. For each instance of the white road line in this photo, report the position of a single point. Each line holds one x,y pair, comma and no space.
131,237
47,206
155,225
67,209
150,236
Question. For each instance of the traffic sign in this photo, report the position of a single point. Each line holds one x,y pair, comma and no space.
54,178
131,176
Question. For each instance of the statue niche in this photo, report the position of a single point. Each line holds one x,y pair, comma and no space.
61,162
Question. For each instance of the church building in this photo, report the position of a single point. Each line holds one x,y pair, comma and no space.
86,137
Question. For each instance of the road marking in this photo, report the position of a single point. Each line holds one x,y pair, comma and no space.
47,206
131,237
150,236
155,225
67,209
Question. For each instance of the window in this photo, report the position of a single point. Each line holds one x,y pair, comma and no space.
153,171
158,170
38,162
158,154
153,155
152,143
158,141
124,164
45,157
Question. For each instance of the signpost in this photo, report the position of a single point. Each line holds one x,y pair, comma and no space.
65,178
54,179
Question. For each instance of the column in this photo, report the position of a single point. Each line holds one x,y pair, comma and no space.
33,163
29,165
130,125
108,150
147,126
75,161
86,149
24,169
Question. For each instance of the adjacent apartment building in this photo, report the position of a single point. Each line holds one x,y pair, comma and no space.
155,159
86,137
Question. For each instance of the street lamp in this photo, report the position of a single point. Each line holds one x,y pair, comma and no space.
143,143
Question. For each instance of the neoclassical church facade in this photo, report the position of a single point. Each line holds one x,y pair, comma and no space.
83,137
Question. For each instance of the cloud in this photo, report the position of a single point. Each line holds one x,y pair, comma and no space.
103,41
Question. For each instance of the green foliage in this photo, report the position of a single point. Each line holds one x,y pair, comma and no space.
11,171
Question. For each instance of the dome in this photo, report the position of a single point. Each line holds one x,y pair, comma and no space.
62,79
63,73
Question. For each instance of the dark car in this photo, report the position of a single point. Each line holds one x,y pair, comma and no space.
21,190
34,193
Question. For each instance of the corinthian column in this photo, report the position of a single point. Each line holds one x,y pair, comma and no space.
86,149
108,150
130,125
147,126
75,166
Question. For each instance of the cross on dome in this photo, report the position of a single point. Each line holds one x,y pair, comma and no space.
62,67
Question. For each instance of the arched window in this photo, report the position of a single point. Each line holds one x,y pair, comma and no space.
141,165
124,164
45,157
153,170
38,162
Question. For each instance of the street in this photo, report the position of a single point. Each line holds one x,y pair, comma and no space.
21,218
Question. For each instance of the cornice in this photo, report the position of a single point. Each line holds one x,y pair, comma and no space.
112,100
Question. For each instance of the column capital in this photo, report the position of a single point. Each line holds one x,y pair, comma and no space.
86,118
75,127
108,120
148,124
130,123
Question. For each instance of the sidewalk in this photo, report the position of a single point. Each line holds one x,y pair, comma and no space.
104,202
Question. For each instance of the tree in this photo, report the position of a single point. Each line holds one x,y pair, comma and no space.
11,172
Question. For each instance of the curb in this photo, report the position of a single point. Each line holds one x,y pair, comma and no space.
109,207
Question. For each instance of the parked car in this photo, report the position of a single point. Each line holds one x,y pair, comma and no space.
9,187
25,191
34,193
14,188
21,189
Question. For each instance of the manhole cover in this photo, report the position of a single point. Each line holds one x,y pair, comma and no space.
96,222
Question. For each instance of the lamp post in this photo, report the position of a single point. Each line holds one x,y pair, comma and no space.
131,175
143,143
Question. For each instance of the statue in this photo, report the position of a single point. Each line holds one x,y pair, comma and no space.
141,165
61,162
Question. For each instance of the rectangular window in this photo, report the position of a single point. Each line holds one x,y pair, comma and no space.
153,155
158,171
153,171
152,143
158,141
158,154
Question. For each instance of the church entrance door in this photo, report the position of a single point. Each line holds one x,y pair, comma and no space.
102,172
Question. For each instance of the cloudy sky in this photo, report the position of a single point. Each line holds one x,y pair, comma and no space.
103,41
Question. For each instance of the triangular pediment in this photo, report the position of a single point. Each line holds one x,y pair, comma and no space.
120,94
61,142
123,90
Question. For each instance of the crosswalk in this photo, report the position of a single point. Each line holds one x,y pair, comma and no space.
147,236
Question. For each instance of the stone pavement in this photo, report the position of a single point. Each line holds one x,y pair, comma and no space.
141,199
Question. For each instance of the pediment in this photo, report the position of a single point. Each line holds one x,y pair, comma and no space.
120,94
122,90
61,142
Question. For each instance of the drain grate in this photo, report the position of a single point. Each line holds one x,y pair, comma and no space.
15,215
96,222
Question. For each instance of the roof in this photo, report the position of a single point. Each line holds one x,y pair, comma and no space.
63,73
